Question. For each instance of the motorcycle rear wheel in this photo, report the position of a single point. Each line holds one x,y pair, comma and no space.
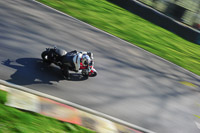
45,60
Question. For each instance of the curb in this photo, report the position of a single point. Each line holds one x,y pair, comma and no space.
35,99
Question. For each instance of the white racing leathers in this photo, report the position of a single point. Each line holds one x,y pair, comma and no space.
77,60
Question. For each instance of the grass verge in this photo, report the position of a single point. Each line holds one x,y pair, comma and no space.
134,29
14,120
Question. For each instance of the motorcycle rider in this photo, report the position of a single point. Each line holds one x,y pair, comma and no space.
81,57
79,60
73,61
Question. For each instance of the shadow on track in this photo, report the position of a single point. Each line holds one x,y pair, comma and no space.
34,71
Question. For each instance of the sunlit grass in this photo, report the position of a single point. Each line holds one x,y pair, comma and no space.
134,29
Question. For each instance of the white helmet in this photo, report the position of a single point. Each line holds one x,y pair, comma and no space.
85,60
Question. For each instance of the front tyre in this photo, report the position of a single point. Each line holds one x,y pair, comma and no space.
94,74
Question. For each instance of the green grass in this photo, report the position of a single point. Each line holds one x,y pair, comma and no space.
134,29
14,120
3,95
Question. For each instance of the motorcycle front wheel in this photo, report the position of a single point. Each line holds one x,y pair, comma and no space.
93,74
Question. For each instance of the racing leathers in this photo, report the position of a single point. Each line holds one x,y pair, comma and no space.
81,57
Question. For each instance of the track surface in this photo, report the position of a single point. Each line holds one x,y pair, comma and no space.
131,85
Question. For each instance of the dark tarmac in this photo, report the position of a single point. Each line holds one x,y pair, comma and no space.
132,84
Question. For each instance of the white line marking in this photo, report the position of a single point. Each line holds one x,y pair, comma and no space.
197,124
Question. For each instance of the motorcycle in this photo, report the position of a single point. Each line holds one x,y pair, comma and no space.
64,60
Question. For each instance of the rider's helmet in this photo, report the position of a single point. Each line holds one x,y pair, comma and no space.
85,60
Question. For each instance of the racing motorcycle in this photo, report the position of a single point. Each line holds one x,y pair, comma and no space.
64,60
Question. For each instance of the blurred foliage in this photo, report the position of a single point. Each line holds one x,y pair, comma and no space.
188,4
191,15
132,28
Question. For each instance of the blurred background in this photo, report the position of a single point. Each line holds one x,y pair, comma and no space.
186,11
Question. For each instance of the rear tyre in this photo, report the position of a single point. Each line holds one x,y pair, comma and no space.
44,56
86,76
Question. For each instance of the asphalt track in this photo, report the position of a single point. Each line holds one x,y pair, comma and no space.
132,85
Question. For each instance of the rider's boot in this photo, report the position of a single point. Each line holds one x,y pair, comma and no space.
65,71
